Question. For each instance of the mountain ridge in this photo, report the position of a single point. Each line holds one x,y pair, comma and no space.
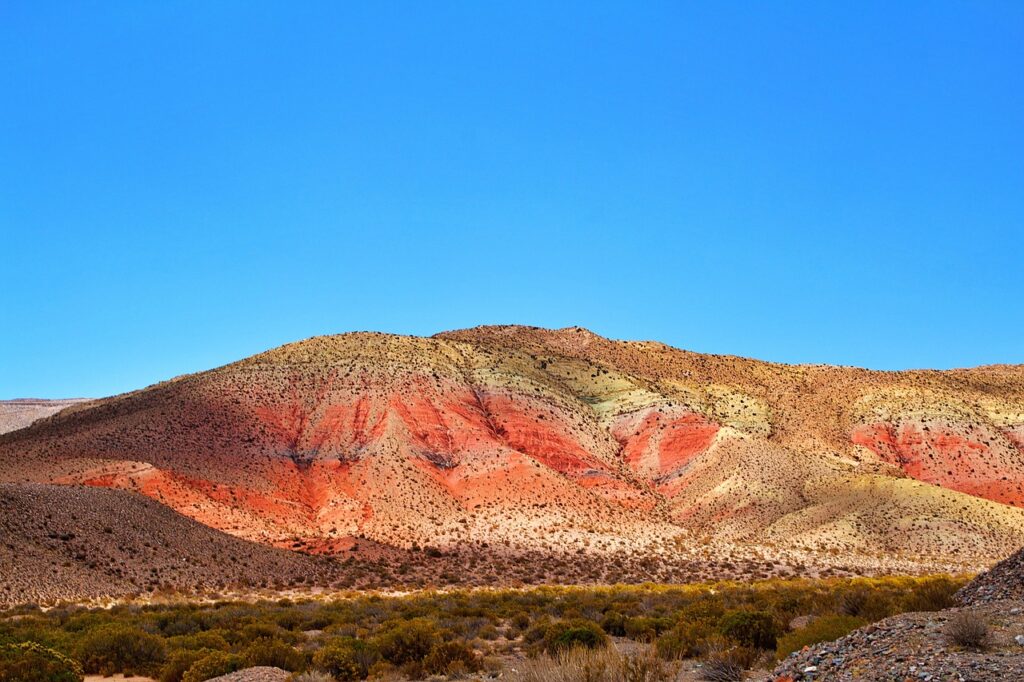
545,439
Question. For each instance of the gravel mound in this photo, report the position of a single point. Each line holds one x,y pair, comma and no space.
1005,580
913,647
258,674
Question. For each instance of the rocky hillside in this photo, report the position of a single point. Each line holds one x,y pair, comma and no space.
536,440
927,646
70,542
1005,580
917,646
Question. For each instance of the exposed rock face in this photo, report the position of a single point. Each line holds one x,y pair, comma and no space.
533,439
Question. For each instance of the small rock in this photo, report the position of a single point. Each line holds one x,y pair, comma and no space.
1019,639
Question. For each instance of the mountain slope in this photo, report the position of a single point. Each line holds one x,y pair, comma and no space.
534,439
63,542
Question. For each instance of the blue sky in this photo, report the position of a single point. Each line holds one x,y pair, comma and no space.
184,184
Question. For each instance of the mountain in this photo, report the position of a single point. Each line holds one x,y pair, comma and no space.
535,440
17,414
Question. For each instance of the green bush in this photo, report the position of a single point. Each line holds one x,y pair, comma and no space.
569,634
861,601
346,658
682,641
180,661
214,664
932,594
261,629
614,623
449,657
698,622
208,639
115,648
644,628
533,637
31,662
408,642
754,629
685,618
822,629
275,654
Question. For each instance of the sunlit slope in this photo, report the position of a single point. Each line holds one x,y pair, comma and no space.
529,438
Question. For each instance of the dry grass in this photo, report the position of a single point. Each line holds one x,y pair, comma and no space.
594,665
311,676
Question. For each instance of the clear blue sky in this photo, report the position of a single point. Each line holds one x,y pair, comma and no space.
186,183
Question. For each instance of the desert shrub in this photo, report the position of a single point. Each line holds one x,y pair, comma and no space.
686,640
754,629
177,623
932,594
642,666
408,642
724,661
853,601
614,623
697,622
684,617
646,629
823,629
706,611
722,666
966,629
533,637
676,644
520,619
346,658
488,632
32,662
863,602
179,662
214,664
311,676
871,598
447,657
208,639
264,630
382,670
275,654
115,648
568,634
38,630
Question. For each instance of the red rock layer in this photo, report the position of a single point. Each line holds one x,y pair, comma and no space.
974,460
659,441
